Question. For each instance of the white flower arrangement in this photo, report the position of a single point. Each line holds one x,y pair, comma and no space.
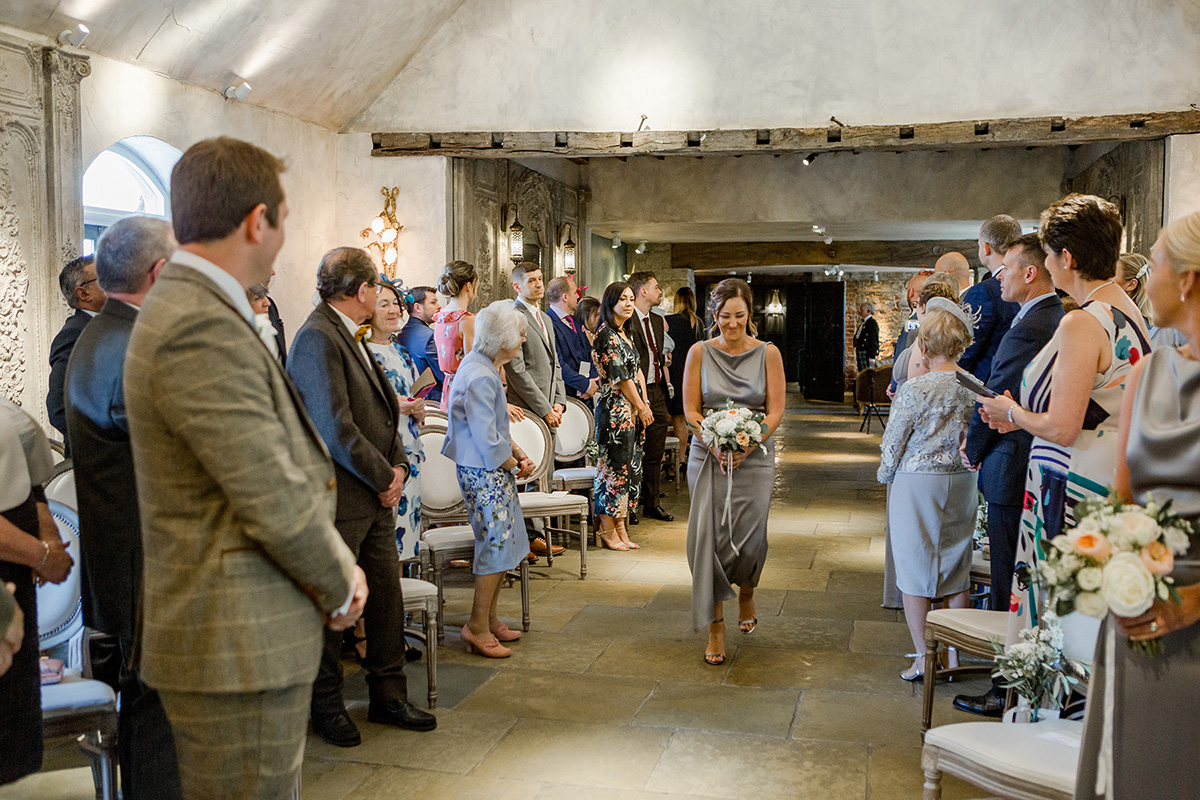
1036,668
1117,558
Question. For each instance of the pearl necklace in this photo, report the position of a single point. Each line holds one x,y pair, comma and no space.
1098,288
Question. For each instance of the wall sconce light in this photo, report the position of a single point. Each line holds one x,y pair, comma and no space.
516,237
568,251
641,248
775,306
616,239
385,227
237,92
73,37
811,157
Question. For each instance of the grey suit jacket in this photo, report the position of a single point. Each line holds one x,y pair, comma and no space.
236,492
535,379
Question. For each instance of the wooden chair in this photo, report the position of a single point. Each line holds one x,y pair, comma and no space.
971,630
422,597
1023,761
532,436
671,450
571,444
870,392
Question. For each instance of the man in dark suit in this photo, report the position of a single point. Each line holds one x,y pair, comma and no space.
78,284
277,324
648,334
1003,458
574,349
995,315
866,336
417,336
353,406
129,257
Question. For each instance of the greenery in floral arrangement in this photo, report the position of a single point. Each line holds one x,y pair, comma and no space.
1036,668
980,533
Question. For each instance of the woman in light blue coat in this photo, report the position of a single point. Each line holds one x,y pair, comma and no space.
488,464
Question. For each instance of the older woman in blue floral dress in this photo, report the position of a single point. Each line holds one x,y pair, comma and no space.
478,441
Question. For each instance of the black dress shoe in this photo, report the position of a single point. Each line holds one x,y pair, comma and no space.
657,512
402,714
634,519
988,704
337,729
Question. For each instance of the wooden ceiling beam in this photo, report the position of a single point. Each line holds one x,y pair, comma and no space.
740,255
1027,131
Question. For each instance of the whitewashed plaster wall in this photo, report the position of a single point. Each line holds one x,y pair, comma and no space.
120,100
676,197
1182,176
600,65
422,206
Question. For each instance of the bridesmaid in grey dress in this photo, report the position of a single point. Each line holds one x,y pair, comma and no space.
732,366
1139,736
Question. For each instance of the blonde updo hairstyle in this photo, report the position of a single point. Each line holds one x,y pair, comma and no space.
454,277
1181,243
725,291
943,334
1134,267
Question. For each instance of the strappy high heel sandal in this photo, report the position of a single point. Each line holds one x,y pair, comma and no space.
747,626
613,543
629,543
715,659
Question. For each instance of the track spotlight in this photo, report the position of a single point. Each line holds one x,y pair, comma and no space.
237,92
811,157
616,239
828,240
641,248
73,37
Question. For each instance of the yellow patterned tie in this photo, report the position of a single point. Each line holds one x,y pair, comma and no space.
363,334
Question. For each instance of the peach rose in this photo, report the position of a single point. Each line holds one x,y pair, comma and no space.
743,438
1158,558
1092,544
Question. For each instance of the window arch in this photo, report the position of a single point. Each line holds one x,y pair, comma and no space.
130,177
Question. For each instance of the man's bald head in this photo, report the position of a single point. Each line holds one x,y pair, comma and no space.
956,265
913,289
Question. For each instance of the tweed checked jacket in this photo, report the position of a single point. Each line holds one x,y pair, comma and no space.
237,497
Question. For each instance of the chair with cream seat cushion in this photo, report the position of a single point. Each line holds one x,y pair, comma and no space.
439,546
1021,761
441,498
570,444
425,598
78,706
533,437
671,456
971,630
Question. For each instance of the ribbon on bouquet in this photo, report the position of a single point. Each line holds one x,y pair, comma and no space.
727,517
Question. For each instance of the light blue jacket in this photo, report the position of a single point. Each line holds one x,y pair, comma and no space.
478,433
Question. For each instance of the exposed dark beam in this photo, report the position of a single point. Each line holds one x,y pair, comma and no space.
740,255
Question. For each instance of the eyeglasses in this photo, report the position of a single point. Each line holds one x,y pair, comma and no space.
85,283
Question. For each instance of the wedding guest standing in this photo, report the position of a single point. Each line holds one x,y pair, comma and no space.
1071,392
622,416
648,334
587,314
454,325
417,335
932,502
1142,743
574,349
733,365
401,372
866,336
686,328
477,439
993,315
30,548
82,291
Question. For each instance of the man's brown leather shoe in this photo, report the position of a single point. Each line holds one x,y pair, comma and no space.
538,546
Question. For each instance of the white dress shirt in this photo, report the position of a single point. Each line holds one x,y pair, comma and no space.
537,315
652,375
1028,304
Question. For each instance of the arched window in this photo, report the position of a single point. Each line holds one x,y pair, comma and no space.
130,177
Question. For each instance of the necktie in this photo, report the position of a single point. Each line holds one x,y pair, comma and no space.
537,314
570,322
653,349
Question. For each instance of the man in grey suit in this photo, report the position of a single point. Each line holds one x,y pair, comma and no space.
352,404
535,380
243,564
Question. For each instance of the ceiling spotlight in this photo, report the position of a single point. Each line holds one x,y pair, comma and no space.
841,274
876,276
828,240
237,92
616,239
74,37
811,157
641,248
749,277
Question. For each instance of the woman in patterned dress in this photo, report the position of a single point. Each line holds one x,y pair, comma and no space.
477,440
454,325
1071,393
401,372
622,415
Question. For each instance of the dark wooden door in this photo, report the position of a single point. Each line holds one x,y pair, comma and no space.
820,353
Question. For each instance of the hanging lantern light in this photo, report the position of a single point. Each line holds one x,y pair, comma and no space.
516,237
775,306
569,252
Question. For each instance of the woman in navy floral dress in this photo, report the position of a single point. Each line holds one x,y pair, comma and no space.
622,415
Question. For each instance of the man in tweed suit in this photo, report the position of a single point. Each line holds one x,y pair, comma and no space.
243,564
352,404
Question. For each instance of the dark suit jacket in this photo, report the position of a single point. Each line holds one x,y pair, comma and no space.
277,324
573,349
995,317
1004,457
866,338
110,532
60,354
638,337
353,406
417,338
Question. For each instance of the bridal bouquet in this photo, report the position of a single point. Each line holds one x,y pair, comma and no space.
1117,558
728,430
1036,668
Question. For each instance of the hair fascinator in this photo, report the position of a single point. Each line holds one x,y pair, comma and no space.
961,314
399,288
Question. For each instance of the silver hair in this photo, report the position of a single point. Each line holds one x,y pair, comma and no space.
128,249
498,327
870,306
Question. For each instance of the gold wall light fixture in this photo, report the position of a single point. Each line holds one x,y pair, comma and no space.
381,233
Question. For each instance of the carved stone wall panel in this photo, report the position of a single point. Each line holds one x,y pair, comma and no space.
20,83
20,193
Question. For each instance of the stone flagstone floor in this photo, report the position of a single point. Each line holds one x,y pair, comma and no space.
608,695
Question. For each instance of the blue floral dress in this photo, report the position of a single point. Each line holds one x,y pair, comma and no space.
619,436
401,372
491,499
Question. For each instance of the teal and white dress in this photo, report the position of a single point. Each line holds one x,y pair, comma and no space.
401,372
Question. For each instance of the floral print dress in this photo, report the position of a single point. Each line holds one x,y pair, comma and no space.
619,435
401,372
449,342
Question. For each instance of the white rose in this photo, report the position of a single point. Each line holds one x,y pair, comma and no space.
1073,562
1139,529
1127,587
1061,543
725,426
1091,604
1177,540
1089,578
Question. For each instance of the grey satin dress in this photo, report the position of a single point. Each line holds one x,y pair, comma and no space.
1154,702
721,554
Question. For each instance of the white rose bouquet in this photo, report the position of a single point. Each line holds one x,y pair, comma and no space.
1117,558
728,430
1036,668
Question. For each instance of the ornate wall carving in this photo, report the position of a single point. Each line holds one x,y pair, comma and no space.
41,211
482,192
